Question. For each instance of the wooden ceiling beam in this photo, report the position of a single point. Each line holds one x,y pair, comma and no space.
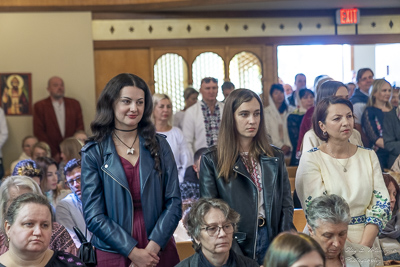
112,5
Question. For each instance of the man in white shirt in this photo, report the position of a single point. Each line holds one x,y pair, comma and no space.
69,209
56,117
202,120
3,139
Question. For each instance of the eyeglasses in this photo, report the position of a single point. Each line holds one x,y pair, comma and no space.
214,230
209,79
72,181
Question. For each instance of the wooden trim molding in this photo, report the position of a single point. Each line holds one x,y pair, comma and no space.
278,40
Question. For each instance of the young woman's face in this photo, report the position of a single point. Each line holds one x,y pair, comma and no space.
383,94
52,178
339,122
163,110
307,101
129,108
392,194
247,118
278,97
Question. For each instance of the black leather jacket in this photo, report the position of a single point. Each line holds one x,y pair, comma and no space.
241,194
107,201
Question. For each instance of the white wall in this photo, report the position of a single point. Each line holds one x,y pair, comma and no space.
364,57
47,44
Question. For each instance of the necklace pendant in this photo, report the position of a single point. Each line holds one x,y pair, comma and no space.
130,151
344,169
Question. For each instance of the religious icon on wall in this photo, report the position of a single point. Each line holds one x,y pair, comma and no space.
16,93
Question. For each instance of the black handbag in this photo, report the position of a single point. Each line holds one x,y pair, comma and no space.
86,251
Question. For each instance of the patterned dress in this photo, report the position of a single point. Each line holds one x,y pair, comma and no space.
362,186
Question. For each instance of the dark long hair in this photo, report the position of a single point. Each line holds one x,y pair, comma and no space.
104,121
228,140
277,86
328,88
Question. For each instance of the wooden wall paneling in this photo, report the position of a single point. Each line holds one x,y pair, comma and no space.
251,41
152,61
189,62
109,63
269,70
227,60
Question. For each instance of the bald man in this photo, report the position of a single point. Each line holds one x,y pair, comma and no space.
56,117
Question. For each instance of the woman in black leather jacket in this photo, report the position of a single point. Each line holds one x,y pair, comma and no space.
249,174
130,189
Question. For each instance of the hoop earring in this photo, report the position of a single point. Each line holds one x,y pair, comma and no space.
325,133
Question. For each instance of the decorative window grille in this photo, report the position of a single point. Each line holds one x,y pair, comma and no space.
208,64
245,72
170,77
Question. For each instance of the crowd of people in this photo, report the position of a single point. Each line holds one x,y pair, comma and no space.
213,173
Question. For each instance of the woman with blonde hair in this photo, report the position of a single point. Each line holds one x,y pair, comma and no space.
70,148
190,95
41,149
11,188
378,106
162,118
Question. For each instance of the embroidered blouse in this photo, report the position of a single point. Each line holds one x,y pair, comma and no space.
362,186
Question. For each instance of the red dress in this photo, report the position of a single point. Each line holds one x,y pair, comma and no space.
168,257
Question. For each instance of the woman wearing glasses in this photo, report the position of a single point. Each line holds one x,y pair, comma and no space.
211,224
249,174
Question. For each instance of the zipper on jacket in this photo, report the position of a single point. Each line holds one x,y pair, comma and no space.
133,208
256,226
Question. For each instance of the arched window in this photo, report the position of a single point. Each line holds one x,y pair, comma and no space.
208,64
245,71
170,77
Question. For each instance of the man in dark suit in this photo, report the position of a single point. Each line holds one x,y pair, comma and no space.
56,117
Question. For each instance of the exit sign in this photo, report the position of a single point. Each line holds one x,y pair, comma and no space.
347,16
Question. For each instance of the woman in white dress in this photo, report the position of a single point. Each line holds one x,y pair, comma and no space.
342,168
162,116
190,95
276,119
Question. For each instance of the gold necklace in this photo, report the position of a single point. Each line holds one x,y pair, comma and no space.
348,157
130,149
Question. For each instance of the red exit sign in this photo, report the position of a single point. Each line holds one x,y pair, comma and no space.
347,16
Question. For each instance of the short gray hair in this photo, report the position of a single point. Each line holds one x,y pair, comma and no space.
328,208
194,219
17,182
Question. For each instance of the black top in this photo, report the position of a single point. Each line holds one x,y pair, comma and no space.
62,259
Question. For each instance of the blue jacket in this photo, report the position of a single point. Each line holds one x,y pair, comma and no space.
107,201
358,97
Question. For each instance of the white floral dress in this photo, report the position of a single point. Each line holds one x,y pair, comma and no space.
362,186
